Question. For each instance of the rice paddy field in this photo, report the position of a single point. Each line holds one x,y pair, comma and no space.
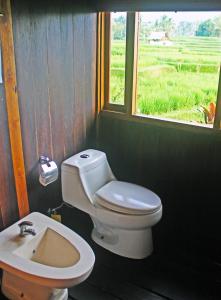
174,81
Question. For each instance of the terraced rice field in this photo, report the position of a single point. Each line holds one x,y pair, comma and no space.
173,81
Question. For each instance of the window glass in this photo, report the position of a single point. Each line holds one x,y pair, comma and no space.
179,58
117,57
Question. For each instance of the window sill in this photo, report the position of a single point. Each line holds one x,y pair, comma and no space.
150,120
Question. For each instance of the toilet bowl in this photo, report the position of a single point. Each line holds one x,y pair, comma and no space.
122,213
44,265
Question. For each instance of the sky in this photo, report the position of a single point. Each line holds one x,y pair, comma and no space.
181,16
177,16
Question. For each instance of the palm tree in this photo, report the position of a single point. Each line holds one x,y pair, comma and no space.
165,24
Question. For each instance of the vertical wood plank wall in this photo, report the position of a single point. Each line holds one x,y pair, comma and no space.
12,105
8,200
55,52
12,188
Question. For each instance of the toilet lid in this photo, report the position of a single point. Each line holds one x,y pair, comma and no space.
127,198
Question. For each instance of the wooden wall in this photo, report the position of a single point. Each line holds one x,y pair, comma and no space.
8,202
183,167
55,52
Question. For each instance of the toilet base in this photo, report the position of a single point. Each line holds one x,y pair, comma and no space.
135,244
14,288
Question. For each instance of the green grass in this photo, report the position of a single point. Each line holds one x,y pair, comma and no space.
173,82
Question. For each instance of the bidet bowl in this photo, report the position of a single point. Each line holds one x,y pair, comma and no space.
56,257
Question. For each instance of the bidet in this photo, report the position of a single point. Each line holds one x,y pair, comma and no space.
44,265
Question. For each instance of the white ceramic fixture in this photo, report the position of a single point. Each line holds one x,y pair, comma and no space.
122,213
43,264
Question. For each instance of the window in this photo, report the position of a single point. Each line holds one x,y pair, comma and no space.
117,57
164,65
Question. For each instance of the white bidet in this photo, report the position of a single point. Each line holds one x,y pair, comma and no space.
44,265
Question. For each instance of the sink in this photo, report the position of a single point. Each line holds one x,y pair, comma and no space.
45,265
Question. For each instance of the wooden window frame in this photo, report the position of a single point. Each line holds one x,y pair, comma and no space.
128,109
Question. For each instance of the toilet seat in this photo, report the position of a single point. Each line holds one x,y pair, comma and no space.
127,198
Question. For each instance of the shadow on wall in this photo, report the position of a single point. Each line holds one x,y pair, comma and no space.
181,166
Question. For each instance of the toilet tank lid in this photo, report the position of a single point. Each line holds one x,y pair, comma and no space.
85,160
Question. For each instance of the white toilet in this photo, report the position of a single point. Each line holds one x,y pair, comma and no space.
122,213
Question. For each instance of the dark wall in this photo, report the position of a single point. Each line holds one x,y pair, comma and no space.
55,52
8,201
183,167
149,5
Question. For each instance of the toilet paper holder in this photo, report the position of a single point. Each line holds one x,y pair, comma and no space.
44,160
48,170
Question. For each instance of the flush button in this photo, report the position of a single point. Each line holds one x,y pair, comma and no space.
84,156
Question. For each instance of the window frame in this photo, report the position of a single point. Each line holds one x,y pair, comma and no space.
128,109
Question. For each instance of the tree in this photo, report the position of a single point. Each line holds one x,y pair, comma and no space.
206,28
217,23
120,20
186,28
145,29
165,24
119,28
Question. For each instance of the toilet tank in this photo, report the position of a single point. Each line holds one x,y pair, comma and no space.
82,175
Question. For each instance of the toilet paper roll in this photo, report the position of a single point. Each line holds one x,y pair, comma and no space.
48,173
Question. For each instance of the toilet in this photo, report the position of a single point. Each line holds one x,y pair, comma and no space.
122,213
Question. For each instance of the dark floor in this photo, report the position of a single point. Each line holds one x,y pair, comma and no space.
159,277
181,274
155,278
